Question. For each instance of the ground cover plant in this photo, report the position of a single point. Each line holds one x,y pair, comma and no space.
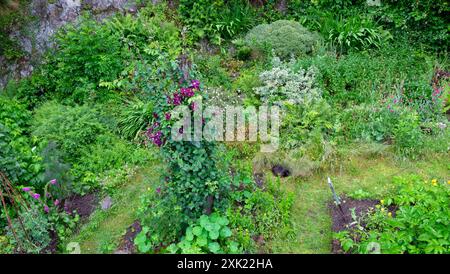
95,158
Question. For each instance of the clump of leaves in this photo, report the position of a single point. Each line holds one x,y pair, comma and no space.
134,119
356,33
209,234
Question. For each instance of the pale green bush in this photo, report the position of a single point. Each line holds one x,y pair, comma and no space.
285,38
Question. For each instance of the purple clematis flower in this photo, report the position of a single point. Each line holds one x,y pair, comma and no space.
53,182
176,99
195,84
46,209
187,92
26,189
36,195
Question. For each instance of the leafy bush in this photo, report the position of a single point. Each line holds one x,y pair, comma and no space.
363,77
107,152
216,20
385,123
301,121
18,159
162,221
262,211
414,219
285,38
408,134
86,54
72,128
282,83
31,91
93,59
409,18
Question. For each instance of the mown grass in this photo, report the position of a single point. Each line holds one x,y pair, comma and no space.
356,171
104,229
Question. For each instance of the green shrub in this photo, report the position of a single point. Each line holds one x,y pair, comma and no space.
216,20
212,71
269,209
285,39
414,219
408,19
72,128
107,152
94,59
302,120
385,123
407,134
369,77
86,54
162,221
31,91
18,159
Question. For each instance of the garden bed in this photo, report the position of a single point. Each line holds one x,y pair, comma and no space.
126,245
83,205
342,220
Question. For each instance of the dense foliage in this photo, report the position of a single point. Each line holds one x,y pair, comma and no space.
413,220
